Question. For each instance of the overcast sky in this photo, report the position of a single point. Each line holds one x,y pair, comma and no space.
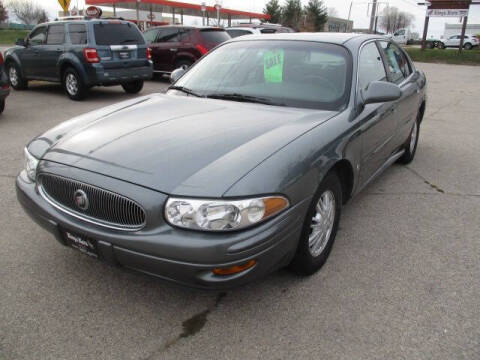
358,15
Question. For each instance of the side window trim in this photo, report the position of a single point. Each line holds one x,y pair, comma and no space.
42,27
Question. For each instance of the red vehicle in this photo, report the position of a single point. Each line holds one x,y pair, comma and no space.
4,84
176,46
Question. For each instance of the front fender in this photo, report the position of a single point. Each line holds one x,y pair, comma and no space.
12,57
298,168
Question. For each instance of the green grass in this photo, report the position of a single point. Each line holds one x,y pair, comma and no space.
8,37
447,56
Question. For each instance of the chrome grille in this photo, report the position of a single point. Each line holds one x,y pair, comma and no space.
104,207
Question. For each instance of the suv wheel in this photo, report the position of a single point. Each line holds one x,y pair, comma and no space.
133,87
468,46
441,45
73,85
15,77
320,227
184,64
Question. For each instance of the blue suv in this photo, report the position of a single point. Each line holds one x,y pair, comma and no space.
80,54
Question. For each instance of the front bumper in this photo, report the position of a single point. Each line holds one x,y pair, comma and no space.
185,257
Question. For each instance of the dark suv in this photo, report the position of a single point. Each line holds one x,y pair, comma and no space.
81,54
178,46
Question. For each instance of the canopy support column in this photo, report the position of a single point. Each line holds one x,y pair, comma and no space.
425,31
114,10
462,37
181,16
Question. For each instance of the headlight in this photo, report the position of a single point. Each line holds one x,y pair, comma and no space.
222,215
30,165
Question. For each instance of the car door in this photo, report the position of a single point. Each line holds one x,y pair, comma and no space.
30,58
402,73
54,47
378,124
453,41
165,48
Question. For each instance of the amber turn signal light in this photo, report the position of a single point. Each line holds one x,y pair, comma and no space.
234,269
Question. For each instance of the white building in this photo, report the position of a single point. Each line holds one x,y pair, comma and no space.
456,29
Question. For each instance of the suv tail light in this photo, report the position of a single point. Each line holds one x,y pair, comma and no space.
91,55
203,50
149,53
1,58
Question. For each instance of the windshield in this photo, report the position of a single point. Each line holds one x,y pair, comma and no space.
290,73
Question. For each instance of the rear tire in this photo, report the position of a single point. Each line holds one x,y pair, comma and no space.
2,105
15,77
133,87
319,228
429,45
411,145
468,46
183,64
74,85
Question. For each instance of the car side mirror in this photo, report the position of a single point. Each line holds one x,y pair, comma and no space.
21,42
177,74
381,91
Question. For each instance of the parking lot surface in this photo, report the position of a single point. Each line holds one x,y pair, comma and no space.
402,282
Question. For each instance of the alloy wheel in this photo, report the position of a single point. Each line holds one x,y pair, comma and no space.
71,83
12,73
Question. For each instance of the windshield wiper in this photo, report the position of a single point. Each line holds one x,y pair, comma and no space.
185,90
244,98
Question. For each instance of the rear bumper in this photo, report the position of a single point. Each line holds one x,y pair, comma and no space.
271,244
98,75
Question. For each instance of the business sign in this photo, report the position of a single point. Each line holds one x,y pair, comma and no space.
64,4
93,11
447,12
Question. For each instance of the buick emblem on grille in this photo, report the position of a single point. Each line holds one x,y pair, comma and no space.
81,199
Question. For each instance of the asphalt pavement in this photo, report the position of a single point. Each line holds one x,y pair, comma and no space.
402,281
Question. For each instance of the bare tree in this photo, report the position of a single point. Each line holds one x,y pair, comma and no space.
391,19
3,13
27,11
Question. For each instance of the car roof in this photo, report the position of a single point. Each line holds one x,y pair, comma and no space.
329,37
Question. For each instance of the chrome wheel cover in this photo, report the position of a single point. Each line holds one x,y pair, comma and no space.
413,137
71,83
322,223
12,74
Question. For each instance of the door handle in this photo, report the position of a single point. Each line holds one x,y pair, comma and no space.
174,50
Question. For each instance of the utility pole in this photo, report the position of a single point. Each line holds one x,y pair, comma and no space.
373,15
350,10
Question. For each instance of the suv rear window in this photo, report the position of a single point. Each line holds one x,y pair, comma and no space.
214,37
117,34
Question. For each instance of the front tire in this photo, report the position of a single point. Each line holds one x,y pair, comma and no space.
133,87
320,227
74,85
15,77
441,45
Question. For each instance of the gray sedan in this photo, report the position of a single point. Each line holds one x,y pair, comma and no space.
240,169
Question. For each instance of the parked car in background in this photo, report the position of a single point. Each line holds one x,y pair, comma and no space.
469,42
4,84
264,28
403,37
180,46
80,54
240,169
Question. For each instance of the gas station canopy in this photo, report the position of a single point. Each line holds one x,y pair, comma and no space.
176,7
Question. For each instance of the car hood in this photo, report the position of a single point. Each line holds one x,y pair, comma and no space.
175,144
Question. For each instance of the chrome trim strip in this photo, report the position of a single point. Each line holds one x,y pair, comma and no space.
84,217
123,47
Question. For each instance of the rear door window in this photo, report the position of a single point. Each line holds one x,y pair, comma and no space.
214,37
56,34
117,34
78,34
